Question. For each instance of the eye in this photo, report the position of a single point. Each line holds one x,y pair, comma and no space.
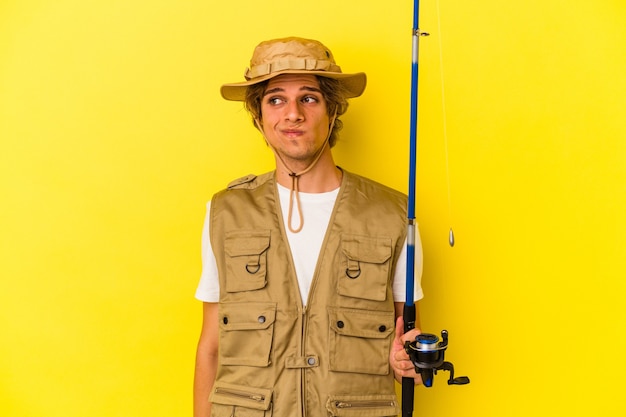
274,101
310,99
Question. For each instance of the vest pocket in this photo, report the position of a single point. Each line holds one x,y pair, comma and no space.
365,267
246,259
363,405
240,401
360,340
246,333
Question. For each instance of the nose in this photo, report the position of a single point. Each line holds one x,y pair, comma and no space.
293,112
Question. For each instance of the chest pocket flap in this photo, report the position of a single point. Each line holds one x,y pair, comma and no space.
365,267
246,259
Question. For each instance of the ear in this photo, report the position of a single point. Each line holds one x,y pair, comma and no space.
331,125
332,118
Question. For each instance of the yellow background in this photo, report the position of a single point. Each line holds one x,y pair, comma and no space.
113,136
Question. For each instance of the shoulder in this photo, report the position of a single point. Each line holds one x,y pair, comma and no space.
244,191
369,185
243,187
250,181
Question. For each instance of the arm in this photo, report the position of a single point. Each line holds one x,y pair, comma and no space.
206,361
398,358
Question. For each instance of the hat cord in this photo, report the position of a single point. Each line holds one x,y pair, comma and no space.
294,193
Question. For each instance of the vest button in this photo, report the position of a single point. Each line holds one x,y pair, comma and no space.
261,319
225,320
311,361
340,324
382,328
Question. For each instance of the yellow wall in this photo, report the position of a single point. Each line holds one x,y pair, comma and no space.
113,136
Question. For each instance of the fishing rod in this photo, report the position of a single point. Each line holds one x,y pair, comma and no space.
426,354
408,384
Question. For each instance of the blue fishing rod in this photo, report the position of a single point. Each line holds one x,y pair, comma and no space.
408,384
426,351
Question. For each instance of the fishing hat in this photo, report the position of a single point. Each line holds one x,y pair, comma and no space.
293,56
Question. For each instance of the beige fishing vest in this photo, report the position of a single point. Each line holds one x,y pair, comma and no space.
330,358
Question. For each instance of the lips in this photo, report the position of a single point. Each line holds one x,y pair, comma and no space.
292,132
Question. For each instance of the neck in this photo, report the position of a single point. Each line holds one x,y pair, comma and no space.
322,177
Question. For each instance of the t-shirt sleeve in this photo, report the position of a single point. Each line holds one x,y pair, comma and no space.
399,278
208,289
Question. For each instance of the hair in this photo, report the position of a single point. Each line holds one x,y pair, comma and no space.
333,92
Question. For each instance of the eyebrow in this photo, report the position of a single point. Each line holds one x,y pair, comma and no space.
303,88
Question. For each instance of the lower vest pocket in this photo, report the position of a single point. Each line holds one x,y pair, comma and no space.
360,340
246,333
363,405
231,400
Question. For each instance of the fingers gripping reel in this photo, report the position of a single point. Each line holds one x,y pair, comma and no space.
427,354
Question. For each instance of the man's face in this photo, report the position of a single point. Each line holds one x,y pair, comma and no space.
294,117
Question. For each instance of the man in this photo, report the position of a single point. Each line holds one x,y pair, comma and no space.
303,267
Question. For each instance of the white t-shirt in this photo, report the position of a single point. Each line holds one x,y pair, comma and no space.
305,247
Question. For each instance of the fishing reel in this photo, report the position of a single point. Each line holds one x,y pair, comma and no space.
427,354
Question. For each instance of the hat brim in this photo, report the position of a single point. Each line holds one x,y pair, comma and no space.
353,83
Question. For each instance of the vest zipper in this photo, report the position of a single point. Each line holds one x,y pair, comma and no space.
303,371
365,404
240,394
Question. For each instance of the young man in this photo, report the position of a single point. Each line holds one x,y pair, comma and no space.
303,267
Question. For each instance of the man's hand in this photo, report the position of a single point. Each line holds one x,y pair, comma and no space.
398,358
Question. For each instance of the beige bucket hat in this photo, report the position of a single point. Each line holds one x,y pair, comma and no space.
293,56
